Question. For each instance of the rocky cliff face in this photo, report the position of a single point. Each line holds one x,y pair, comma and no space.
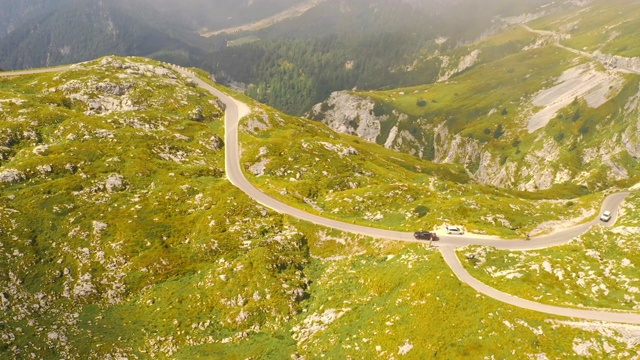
544,164
625,63
351,114
560,128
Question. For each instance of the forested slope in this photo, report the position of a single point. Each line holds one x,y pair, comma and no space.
362,44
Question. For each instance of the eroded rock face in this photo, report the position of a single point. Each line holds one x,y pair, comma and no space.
11,176
113,89
351,114
544,163
214,143
197,114
620,62
114,182
465,63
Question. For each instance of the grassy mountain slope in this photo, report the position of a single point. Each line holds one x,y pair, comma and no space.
610,29
307,165
120,237
598,270
368,44
515,109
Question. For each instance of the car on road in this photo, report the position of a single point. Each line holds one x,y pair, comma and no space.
454,230
606,216
425,235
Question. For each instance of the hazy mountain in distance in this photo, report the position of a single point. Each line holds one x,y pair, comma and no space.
49,32
81,30
217,14
366,44
14,12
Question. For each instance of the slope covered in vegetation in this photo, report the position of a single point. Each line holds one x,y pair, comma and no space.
533,107
364,44
120,237
597,270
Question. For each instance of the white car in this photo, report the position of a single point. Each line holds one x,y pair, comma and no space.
606,216
454,230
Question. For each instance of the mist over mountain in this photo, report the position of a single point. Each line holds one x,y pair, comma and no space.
364,44
82,30
287,61
14,12
51,32
216,14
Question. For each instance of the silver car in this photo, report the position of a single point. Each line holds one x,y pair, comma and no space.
606,216
454,230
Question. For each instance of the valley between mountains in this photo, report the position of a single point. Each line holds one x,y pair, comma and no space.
119,228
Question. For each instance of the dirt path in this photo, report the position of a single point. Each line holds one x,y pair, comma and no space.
556,41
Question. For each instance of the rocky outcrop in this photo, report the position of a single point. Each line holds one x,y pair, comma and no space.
114,182
464,63
618,62
350,114
455,149
113,89
11,176
213,143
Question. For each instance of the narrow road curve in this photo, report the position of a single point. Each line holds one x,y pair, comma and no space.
449,254
235,110
34,71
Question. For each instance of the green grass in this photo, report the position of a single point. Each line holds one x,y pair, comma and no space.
479,116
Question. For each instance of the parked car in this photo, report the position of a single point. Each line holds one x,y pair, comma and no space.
606,216
454,230
425,235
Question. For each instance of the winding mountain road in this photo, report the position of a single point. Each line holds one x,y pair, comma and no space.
235,110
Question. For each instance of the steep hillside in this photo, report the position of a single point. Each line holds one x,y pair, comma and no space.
290,63
309,166
521,109
120,238
368,44
246,23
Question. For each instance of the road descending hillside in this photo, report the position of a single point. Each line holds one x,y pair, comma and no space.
235,110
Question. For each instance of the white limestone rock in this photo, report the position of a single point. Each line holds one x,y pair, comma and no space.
114,183
11,176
